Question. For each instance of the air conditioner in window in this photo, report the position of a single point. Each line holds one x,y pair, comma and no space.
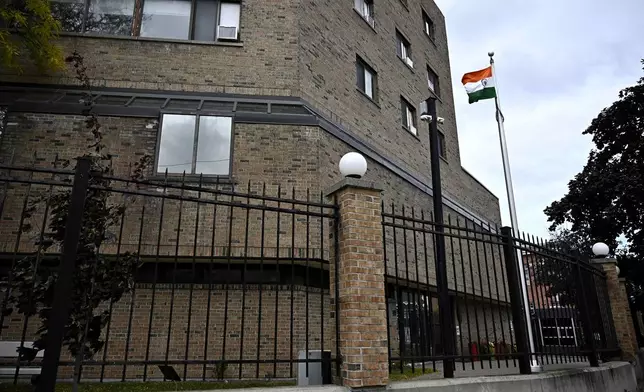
409,62
227,32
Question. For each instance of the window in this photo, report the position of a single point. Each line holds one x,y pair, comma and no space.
202,20
442,149
408,116
403,49
428,26
194,145
365,9
366,77
432,81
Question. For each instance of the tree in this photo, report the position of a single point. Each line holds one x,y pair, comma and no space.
606,199
555,272
98,278
27,27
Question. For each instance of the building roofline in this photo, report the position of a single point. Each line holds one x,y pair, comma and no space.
479,182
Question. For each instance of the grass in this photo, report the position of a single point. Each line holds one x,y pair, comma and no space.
152,386
408,374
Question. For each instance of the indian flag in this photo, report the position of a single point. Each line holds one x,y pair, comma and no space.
479,84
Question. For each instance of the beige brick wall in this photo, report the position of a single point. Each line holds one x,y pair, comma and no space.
328,49
275,155
210,319
285,51
620,309
361,289
265,63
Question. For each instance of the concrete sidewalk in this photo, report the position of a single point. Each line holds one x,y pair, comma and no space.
571,377
500,368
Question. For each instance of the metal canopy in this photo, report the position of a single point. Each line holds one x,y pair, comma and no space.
150,103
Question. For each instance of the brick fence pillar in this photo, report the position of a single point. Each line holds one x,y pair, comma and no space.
361,285
619,306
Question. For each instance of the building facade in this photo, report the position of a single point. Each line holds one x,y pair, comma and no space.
326,75
228,95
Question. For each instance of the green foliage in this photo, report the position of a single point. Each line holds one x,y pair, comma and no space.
555,273
98,279
220,370
31,31
606,199
407,373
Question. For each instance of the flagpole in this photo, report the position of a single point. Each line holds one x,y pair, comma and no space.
534,365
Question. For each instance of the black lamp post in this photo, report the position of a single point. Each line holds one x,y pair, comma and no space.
428,114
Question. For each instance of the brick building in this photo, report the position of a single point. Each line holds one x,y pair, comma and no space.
267,92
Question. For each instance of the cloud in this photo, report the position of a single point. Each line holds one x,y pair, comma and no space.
558,64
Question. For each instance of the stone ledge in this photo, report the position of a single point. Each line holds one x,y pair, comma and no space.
604,260
357,183
610,377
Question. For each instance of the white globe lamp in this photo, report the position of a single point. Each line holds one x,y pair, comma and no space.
353,165
600,249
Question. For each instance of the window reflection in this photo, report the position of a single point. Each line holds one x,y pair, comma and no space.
213,20
177,143
111,16
166,19
69,13
213,148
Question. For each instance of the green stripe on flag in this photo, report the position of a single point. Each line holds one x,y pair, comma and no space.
486,93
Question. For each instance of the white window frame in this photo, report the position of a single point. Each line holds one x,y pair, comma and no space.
410,120
195,142
428,25
370,79
368,83
365,9
405,49
433,83
410,117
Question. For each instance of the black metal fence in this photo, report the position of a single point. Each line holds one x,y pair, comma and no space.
188,279
568,303
569,306
227,284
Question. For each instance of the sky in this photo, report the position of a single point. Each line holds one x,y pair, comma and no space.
558,64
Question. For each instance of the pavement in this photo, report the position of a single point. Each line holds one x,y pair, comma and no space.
496,368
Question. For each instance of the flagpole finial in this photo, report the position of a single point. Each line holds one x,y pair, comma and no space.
491,54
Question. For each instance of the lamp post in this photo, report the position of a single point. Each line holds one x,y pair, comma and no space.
428,114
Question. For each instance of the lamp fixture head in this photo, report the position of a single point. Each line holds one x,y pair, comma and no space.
600,249
353,165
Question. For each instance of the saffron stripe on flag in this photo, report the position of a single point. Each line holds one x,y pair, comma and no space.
476,76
